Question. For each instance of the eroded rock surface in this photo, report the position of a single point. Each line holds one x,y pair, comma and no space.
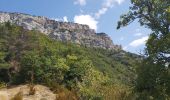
62,31
42,93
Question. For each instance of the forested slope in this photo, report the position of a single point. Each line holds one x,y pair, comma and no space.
32,57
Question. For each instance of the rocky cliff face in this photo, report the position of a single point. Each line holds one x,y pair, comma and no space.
62,31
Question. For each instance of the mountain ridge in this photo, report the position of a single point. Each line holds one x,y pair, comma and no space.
62,31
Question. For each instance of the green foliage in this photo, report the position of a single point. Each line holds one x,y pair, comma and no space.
151,13
117,92
153,80
33,57
153,73
2,85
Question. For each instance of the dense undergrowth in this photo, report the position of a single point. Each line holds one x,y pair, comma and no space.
90,73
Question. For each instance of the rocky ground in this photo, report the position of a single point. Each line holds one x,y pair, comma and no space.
41,93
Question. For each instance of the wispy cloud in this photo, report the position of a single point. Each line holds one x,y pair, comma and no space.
80,2
119,1
91,19
107,4
138,34
139,42
101,12
87,20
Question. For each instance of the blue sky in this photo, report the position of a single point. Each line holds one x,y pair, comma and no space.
101,15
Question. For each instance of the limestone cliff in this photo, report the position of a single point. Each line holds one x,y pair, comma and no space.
62,31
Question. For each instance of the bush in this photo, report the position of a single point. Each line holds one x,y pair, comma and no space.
117,92
35,58
2,85
66,95
62,93
18,96
32,90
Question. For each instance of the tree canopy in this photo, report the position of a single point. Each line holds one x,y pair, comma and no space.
154,72
32,57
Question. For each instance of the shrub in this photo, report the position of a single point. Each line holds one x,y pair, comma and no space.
35,58
61,92
66,95
2,85
117,92
32,90
18,96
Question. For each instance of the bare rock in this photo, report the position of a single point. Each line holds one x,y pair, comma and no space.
62,31
42,93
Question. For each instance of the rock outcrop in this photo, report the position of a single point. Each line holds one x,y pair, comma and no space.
41,93
62,31
22,92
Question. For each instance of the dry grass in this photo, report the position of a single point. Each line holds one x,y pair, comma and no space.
116,92
66,95
62,93
32,90
18,96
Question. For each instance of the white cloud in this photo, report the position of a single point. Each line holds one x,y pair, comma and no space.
80,2
101,12
56,19
107,4
86,19
139,42
119,1
138,34
65,19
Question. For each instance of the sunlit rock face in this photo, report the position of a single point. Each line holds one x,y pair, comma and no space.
62,31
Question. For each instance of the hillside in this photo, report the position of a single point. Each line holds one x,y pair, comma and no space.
63,31
85,50
33,57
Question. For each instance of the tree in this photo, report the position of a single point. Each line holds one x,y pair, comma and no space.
154,14
154,72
